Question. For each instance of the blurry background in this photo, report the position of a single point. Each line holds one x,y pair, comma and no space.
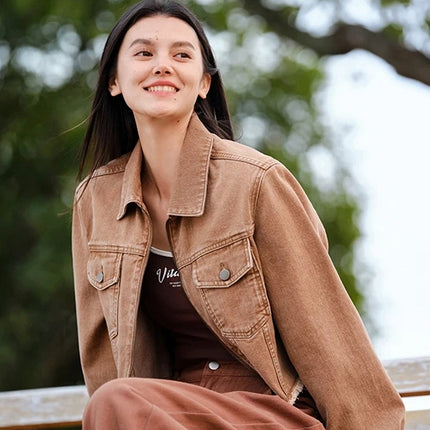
338,90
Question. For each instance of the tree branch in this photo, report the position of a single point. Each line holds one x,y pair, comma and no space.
345,38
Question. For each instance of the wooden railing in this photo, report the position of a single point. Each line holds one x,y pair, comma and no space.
62,406
412,380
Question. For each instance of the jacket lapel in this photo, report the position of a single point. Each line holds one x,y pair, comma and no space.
131,184
189,194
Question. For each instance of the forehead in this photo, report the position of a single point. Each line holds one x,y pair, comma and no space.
161,28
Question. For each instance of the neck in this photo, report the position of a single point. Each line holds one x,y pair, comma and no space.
161,143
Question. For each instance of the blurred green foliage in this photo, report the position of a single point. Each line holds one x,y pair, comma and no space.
48,60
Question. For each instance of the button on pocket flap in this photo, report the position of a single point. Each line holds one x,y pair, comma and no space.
224,266
103,269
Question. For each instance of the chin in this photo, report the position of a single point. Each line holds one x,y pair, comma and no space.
170,115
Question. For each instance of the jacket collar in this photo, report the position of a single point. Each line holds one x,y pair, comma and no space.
189,194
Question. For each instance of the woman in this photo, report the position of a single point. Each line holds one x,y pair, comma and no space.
205,293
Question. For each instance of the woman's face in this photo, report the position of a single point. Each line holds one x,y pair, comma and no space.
159,69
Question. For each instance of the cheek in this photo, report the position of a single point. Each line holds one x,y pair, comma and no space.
198,79
128,75
129,72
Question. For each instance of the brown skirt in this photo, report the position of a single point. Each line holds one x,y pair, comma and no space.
216,396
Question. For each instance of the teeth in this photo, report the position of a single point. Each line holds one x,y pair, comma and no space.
166,88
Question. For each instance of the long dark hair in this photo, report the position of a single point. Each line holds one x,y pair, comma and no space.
112,129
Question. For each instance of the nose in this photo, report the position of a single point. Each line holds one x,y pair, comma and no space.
162,70
162,67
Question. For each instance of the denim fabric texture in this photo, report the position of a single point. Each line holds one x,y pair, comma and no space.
253,259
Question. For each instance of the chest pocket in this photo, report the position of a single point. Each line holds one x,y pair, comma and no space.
232,289
103,271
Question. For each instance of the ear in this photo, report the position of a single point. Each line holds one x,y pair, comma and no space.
205,85
114,87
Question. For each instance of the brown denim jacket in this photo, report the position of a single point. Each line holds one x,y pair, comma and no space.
278,305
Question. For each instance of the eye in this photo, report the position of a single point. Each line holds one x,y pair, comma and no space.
143,53
183,55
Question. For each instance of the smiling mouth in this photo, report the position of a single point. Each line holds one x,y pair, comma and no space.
162,88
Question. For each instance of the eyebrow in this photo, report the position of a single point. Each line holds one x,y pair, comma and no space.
176,44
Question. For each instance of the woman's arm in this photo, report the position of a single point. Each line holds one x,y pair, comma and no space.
94,344
318,324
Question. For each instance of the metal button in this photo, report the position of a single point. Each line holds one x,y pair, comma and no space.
100,276
224,274
213,365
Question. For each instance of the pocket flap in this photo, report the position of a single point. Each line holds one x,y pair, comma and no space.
103,269
224,266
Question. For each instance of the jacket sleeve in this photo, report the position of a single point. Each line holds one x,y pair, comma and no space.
94,344
319,326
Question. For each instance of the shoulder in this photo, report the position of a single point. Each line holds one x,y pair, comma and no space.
109,171
248,162
237,152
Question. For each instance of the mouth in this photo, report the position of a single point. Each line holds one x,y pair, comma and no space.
161,89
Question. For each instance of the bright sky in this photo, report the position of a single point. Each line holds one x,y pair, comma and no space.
389,149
